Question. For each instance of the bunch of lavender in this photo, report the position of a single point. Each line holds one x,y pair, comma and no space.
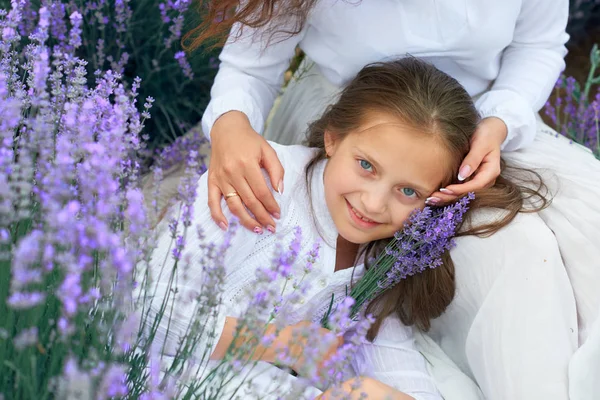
575,110
137,39
68,188
419,246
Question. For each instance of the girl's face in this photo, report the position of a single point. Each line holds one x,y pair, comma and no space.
378,174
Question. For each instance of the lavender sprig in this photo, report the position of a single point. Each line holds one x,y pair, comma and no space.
575,109
419,246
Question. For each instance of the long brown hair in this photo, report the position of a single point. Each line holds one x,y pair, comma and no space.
424,97
286,17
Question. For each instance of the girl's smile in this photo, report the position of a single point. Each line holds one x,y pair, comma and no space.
360,219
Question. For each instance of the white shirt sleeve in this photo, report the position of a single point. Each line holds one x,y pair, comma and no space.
393,359
250,75
530,67
190,279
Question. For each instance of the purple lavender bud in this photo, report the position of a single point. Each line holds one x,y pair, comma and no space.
26,337
114,383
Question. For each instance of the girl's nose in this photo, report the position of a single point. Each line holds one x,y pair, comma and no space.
374,202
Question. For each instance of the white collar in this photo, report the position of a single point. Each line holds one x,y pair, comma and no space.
325,225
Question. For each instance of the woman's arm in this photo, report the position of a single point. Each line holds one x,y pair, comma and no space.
250,75
529,69
249,78
374,389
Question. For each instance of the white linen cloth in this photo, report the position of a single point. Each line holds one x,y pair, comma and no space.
392,358
527,297
514,48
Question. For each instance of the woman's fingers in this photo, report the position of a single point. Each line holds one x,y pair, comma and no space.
261,218
266,205
214,202
237,208
237,155
485,177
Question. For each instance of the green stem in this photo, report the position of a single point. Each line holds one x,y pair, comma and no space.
591,75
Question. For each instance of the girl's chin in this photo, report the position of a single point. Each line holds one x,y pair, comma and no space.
356,236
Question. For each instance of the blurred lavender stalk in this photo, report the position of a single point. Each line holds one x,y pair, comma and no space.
575,110
75,235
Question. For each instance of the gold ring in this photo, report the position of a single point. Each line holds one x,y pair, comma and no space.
230,195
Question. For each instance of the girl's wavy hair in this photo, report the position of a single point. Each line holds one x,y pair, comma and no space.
273,18
421,95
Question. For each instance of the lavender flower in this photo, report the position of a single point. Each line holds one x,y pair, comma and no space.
574,109
113,384
184,64
426,236
26,338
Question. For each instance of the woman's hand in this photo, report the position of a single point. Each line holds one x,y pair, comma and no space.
237,155
374,389
482,164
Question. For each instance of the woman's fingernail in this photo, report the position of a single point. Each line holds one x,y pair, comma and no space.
277,215
432,200
464,172
447,191
280,187
271,228
258,230
222,226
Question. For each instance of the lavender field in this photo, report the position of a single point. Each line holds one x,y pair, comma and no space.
95,96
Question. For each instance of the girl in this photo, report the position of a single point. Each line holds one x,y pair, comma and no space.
397,132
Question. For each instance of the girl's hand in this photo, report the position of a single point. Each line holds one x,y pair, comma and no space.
291,341
482,164
374,389
237,155
296,343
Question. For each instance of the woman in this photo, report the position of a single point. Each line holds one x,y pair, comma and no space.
507,55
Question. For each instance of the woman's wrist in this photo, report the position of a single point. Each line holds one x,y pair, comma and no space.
497,127
230,120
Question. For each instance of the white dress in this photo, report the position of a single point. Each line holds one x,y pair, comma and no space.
527,297
392,358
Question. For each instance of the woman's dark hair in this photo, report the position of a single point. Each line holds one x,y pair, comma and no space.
425,98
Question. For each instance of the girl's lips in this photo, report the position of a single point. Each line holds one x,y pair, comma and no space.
359,221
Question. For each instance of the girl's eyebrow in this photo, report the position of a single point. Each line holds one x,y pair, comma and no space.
378,166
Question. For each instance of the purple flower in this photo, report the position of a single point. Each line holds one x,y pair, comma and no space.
184,64
113,384
23,301
26,337
75,34
420,245
573,111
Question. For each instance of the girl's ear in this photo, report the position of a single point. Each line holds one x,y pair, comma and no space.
330,141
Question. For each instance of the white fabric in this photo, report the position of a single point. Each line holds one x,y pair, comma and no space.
527,297
391,358
515,48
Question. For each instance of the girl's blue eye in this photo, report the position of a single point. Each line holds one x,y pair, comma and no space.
408,192
364,164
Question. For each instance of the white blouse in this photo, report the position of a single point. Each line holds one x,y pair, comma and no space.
392,358
510,52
